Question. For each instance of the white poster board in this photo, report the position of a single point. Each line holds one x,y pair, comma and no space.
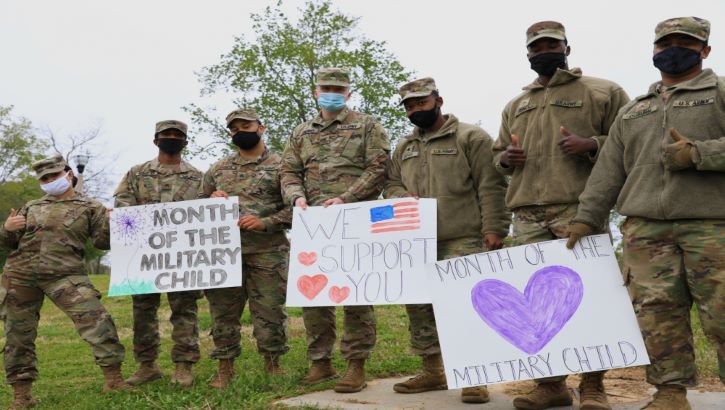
534,311
364,253
175,246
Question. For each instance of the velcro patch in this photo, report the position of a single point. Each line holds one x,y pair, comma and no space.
349,126
640,113
409,154
444,151
567,104
693,103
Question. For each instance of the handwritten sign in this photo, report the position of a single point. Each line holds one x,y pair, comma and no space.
175,246
365,253
534,311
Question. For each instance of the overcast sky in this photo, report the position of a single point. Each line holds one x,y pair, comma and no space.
69,64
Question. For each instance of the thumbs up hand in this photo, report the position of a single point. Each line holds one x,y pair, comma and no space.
678,155
513,156
14,222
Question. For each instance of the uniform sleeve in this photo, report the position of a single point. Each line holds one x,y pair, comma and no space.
125,194
503,141
208,185
10,240
605,182
710,155
490,186
377,152
393,187
279,220
618,99
100,227
292,171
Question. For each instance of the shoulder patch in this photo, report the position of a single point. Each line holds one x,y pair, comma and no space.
693,103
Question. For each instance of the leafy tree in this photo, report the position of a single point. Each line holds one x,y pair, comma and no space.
275,74
19,146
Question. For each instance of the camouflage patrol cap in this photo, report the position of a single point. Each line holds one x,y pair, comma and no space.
548,29
691,26
421,87
333,76
51,165
248,114
162,126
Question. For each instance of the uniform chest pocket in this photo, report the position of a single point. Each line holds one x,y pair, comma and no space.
224,178
267,179
75,216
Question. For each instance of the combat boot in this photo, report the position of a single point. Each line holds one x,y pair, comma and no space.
147,372
320,371
22,395
272,367
545,395
591,392
478,394
354,378
183,375
669,397
433,377
113,380
224,374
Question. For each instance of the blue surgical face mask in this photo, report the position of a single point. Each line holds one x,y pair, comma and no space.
332,102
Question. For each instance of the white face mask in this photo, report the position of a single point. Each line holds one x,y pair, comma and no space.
57,187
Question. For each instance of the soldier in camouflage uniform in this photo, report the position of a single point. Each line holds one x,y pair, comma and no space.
47,238
337,157
165,179
451,161
549,140
252,174
664,166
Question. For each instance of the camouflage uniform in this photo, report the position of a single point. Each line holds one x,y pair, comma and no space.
454,165
151,183
257,185
344,157
46,259
674,247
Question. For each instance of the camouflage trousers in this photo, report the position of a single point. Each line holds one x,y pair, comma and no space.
265,286
77,298
185,332
534,224
668,265
422,323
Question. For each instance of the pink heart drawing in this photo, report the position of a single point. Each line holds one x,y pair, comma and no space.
307,258
311,286
337,294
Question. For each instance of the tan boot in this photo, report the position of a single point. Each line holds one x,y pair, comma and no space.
22,396
669,397
183,375
320,371
224,374
433,377
591,392
272,367
147,372
354,378
113,380
545,395
478,394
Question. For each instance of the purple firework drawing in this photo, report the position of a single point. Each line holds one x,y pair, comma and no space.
129,225
530,320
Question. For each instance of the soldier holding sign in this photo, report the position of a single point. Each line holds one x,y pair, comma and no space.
664,166
337,157
47,238
449,160
165,179
251,174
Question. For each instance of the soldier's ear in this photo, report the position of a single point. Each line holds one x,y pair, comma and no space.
568,50
261,130
706,52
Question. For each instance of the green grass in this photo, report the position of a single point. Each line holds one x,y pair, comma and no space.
70,380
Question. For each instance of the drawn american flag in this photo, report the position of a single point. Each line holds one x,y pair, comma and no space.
400,216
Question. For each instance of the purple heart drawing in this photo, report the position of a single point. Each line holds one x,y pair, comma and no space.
530,320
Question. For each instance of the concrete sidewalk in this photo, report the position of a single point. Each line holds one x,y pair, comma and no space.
380,395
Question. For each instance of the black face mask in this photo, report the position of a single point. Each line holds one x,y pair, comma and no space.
171,146
246,140
676,60
425,119
546,63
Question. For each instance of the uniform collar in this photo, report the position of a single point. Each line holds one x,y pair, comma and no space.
340,117
52,198
560,77
706,79
238,160
449,127
157,166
